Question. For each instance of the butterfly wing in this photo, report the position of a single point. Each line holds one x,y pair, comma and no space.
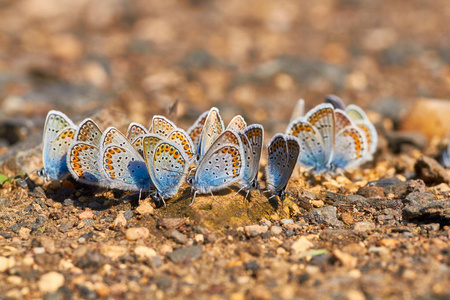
162,126
247,176
83,160
54,123
341,120
122,164
167,168
89,133
195,131
180,137
350,148
277,163
134,130
255,135
362,121
322,118
222,164
211,130
312,152
55,158
237,123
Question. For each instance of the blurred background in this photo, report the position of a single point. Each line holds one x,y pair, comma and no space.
254,58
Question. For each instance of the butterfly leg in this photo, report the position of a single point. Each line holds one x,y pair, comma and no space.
214,197
193,198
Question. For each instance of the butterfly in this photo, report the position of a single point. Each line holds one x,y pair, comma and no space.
167,164
122,164
329,140
252,138
315,132
59,132
83,154
359,117
221,166
195,131
283,151
212,128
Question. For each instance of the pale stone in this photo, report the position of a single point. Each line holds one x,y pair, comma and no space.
51,282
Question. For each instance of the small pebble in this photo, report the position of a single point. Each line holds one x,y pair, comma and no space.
276,229
199,238
145,209
137,233
145,252
87,214
287,221
301,245
128,214
289,233
50,282
255,230
178,237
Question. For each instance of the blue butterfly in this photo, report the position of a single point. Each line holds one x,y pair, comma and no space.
283,151
83,155
221,166
122,164
252,138
167,164
59,133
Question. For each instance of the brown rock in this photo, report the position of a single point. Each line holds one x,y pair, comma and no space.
87,214
145,209
371,192
255,230
347,218
138,233
346,259
430,171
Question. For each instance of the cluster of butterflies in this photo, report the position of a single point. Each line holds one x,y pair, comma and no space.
208,156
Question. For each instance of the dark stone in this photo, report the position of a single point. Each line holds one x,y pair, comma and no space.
47,259
16,227
68,202
156,261
92,259
335,197
40,202
6,235
94,205
128,214
391,186
355,198
22,183
65,227
419,197
437,211
86,293
38,192
289,233
430,171
252,266
89,236
88,222
371,192
417,186
178,237
324,215
190,252
431,226
163,282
